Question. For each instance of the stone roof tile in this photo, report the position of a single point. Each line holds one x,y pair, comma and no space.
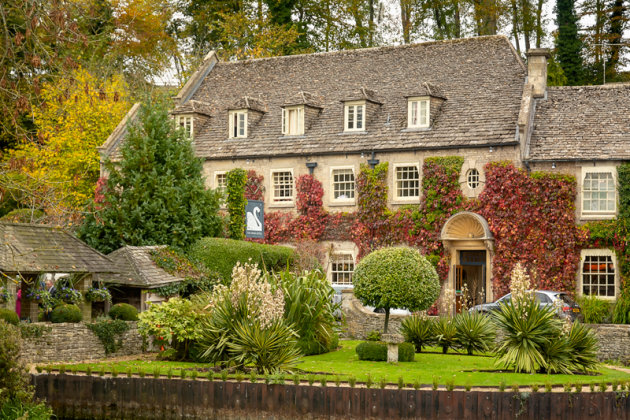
137,268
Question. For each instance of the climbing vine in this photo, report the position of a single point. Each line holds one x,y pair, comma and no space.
109,332
254,189
236,181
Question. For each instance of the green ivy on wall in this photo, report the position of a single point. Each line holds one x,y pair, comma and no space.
236,180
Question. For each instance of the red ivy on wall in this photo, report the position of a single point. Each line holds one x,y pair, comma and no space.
532,219
254,189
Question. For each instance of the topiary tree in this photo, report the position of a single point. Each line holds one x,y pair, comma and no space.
396,277
156,194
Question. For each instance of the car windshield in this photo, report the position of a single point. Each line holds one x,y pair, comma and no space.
566,299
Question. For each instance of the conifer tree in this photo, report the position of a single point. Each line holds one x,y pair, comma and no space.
155,195
568,43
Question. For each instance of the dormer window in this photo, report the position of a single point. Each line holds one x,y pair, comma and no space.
238,124
185,122
354,116
293,120
418,113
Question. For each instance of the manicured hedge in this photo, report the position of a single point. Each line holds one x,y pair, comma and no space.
221,255
9,316
123,311
377,351
406,352
66,313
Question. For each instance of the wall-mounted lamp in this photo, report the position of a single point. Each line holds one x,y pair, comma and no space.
373,161
311,167
553,165
491,149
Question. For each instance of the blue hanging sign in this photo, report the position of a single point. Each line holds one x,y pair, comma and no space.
255,219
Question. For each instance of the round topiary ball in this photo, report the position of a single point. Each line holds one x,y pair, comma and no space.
9,316
66,313
397,277
123,311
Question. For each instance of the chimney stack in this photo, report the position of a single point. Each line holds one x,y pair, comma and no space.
537,70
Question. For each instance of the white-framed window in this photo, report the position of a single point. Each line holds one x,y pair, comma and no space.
185,122
472,178
341,268
418,112
343,186
406,182
282,185
237,124
598,273
293,120
599,191
220,182
354,116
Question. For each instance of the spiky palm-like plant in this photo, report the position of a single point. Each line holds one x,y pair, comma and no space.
583,347
445,333
418,330
474,332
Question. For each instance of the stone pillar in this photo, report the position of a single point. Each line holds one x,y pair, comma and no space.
86,307
392,341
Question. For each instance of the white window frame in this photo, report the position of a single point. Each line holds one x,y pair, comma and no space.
239,134
282,201
186,121
331,260
342,201
477,181
216,181
299,123
410,199
346,115
598,253
419,101
603,214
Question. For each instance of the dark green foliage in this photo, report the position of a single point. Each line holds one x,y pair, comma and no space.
568,43
236,180
196,277
418,330
155,195
396,277
9,316
109,332
406,352
373,335
220,255
371,350
123,311
445,333
595,310
66,313
310,309
583,345
475,332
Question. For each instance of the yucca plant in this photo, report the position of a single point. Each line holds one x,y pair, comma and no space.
556,353
527,329
474,332
418,330
582,344
268,349
445,333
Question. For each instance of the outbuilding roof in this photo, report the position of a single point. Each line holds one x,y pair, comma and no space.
30,249
138,269
582,123
482,79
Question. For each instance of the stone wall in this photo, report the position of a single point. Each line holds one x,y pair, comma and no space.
360,321
74,342
614,342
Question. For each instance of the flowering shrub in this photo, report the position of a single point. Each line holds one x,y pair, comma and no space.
98,294
67,295
4,294
42,297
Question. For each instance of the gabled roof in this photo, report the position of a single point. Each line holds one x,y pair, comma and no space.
304,98
29,249
138,269
582,123
247,102
111,147
483,79
193,107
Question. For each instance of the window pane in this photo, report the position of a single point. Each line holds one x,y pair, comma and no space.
350,117
282,186
407,182
598,275
599,192
414,113
341,267
423,113
359,119
343,184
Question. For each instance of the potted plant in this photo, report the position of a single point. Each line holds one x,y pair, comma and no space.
42,297
98,294
67,295
4,294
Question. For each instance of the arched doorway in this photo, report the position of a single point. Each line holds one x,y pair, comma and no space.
469,244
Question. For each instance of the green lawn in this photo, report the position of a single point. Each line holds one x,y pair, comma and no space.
462,369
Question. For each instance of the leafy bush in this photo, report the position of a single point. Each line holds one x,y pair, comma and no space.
406,352
221,255
475,332
123,311
109,332
396,277
9,316
418,329
445,333
372,350
595,310
373,335
66,313
621,313
175,322
196,277
309,307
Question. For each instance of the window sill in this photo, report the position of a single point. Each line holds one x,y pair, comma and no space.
342,203
347,133
415,129
291,136
287,204
597,216
404,202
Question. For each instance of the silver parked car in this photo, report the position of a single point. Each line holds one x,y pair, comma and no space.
566,307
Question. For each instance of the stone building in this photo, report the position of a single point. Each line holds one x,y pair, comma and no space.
326,114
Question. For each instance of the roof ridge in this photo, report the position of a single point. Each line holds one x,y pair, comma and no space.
618,85
373,49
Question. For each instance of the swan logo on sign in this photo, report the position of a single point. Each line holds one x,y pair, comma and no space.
254,218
